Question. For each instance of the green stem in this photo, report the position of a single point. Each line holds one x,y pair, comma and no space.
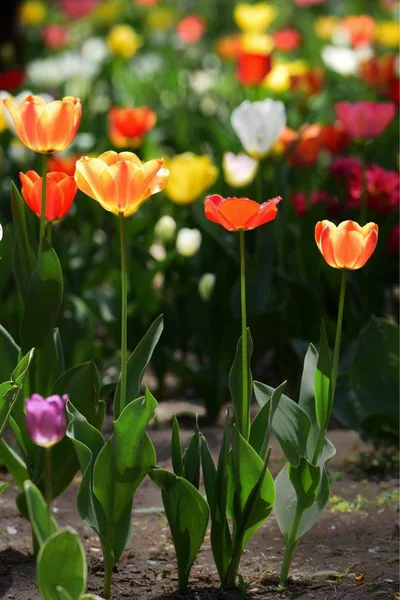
108,567
290,548
47,482
243,420
260,182
124,315
43,206
49,229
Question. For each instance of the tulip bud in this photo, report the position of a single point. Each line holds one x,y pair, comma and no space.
188,241
165,228
206,286
157,251
45,419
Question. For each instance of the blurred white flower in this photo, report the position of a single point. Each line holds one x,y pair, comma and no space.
165,228
95,50
206,286
147,64
1,233
258,125
345,61
188,241
19,153
158,281
84,141
45,72
202,81
239,169
157,251
341,37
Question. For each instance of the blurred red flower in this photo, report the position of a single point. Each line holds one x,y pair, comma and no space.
191,29
311,82
55,36
361,29
129,125
304,3
303,147
300,204
228,47
65,164
287,39
253,68
365,119
11,79
383,189
77,9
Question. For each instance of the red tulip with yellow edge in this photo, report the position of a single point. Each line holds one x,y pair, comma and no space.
240,214
45,128
347,246
60,193
120,182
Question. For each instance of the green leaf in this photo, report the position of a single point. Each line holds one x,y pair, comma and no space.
19,373
43,299
14,464
137,363
305,479
10,391
122,464
187,513
62,593
176,449
43,525
286,419
26,245
307,399
3,486
236,384
286,497
62,563
191,461
9,351
322,382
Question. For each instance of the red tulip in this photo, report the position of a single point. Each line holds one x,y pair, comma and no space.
287,39
65,164
252,68
60,193
365,119
129,125
191,29
235,214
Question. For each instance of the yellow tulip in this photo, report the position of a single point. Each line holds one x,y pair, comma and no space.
278,79
32,13
254,18
190,176
124,41
256,43
387,33
325,27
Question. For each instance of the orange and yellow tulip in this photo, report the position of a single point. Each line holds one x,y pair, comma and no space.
60,193
239,214
128,126
120,182
347,246
45,128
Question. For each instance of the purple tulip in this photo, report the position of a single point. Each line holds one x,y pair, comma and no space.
46,419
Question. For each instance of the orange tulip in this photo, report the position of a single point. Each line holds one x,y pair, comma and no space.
60,193
120,183
42,127
347,246
128,126
237,214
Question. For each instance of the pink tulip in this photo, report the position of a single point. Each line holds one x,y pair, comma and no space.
45,419
77,9
365,119
55,36
304,3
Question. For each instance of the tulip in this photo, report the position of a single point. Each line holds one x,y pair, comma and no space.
253,67
347,246
77,10
190,176
239,170
55,36
365,119
254,18
344,61
45,419
360,28
228,47
188,242
286,40
128,126
60,193
120,183
387,34
123,41
32,13
239,214
258,125
42,127
165,228
190,29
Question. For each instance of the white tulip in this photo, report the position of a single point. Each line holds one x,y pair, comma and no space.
258,125
345,61
188,241
206,286
239,169
165,228
158,252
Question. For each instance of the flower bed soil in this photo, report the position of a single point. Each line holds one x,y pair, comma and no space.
351,554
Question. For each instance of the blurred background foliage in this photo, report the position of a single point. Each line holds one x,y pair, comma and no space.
179,59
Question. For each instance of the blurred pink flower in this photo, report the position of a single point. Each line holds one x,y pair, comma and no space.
300,205
394,240
55,36
77,9
146,2
303,3
383,191
191,29
365,119
45,419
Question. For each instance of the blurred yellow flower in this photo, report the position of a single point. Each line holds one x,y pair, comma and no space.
159,19
124,41
32,13
325,27
387,33
3,121
190,176
254,18
278,79
256,43
109,11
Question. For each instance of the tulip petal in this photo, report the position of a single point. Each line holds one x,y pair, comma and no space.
238,211
319,229
326,244
56,124
68,189
29,114
87,174
347,247
267,213
115,185
370,242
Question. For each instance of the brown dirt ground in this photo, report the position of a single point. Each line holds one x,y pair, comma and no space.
351,554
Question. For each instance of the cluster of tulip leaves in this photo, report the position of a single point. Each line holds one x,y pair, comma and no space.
61,562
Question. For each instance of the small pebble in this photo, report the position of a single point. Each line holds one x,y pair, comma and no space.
11,530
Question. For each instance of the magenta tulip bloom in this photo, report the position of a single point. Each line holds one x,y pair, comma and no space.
46,419
365,119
